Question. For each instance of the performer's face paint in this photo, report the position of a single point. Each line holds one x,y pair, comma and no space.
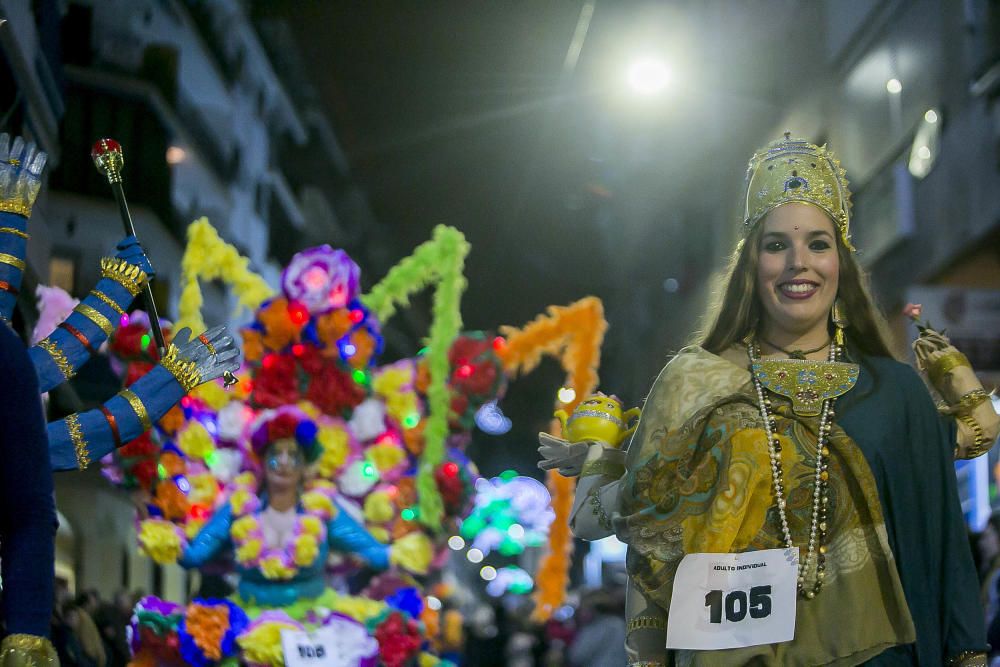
798,271
284,463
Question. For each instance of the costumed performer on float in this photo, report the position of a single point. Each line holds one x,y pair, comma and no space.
79,438
739,449
282,535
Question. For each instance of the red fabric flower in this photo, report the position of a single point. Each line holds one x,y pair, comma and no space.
450,486
310,358
141,446
459,405
135,370
333,391
282,426
477,383
127,341
276,382
398,640
466,350
145,472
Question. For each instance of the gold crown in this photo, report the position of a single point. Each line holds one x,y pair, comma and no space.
794,170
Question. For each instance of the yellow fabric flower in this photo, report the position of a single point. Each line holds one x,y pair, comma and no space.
273,568
204,489
336,446
385,456
193,527
412,552
378,507
245,479
310,409
429,660
262,644
213,395
379,533
159,539
311,525
241,500
318,503
360,609
243,526
306,550
248,551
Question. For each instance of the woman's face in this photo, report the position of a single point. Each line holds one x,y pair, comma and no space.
798,270
283,463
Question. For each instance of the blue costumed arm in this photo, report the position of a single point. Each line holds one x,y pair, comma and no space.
84,437
20,179
345,534
27,506
59,356
210,540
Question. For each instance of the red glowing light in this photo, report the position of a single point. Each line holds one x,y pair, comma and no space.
269,361
386,438
499,344
198,512
357,315
465,370
450,469
298,349
392,491
186,401
298,313
249,385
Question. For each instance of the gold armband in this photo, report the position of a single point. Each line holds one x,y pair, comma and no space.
137,407
968,402
58,357
27,651
944,365
186,372
95,316
602,467
11,260
129,276
108,301
14,231
981,445
79,443
646,623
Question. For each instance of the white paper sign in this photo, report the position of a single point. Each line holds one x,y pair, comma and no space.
733,600
340,643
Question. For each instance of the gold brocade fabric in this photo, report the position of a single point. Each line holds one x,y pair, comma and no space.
698,480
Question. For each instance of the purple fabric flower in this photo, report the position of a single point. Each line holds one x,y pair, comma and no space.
321,278
192,654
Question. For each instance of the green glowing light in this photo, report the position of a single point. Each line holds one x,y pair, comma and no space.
411,420
360,376
211,459
144,341
368,470
408,514
161,470
508,475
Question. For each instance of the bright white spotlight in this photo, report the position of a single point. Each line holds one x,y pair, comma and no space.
456,542
433,603
474,555
894,86
648,76
924,153
931,116
488,572
175,155
566,395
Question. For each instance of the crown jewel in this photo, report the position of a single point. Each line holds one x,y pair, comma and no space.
794,170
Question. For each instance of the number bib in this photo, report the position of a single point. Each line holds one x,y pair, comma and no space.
734,600
340,643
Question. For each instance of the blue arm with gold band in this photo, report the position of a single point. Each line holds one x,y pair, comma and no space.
81,438
59,356
13,249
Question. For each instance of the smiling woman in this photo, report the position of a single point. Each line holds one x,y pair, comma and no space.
744,488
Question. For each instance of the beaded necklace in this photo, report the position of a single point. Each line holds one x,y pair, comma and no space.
818,526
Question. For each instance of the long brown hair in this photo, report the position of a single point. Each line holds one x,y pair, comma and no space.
735,311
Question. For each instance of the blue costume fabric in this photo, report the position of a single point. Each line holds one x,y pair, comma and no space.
27,506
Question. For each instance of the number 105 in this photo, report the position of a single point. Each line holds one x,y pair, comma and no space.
737,605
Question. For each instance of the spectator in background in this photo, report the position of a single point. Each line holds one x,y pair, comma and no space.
600,640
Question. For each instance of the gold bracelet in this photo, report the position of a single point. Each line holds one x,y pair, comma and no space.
108,301
980,446
79,443
944,365
646,623
129,276
15,231
15,207
969,402
138,408
96,317
28,650
968,659
16,262
58,357
602,467
186,372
